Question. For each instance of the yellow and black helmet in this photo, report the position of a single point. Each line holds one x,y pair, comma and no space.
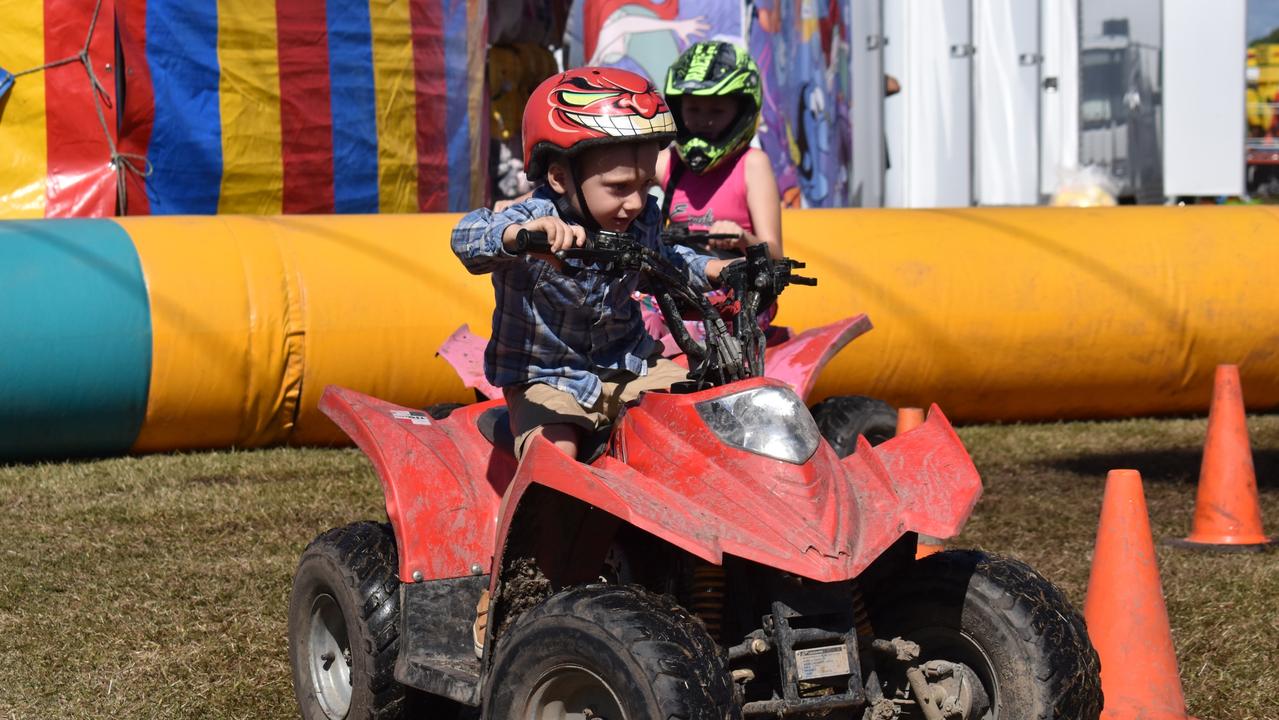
714,69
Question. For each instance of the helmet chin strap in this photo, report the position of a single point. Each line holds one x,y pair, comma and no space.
565,208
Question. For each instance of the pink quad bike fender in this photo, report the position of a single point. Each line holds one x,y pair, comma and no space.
826,520
796,362
464,350
443,481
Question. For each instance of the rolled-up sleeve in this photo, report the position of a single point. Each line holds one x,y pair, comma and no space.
693,263
477,239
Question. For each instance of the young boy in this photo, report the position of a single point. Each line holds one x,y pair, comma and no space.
569,346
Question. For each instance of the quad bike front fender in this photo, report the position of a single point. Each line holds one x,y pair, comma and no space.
439,498
798,361
923,478
850,514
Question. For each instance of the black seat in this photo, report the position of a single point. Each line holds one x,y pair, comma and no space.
495,425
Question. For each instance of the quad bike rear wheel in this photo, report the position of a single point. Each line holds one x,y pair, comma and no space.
344,623
996,641
608,651
841,418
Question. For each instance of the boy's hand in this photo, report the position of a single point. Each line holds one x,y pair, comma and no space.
559,234
715,270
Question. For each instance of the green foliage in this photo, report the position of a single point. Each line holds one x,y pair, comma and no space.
1272,37
157,586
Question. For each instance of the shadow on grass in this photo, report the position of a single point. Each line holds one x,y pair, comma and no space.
1179,467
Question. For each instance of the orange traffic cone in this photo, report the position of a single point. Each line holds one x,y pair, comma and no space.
909,418
1127,620
1227,514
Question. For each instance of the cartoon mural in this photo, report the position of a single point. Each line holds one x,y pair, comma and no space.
645,36
801,46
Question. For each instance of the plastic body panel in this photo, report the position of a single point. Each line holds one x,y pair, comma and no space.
667,474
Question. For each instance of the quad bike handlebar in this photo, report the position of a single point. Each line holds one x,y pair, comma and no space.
754,282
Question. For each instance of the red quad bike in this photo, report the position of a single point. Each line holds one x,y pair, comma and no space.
711,557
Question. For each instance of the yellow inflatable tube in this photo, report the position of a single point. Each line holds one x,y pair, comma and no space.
1008,314
1044,313
252,316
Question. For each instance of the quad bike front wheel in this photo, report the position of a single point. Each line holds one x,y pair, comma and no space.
344,616
841,418
996,641
608,651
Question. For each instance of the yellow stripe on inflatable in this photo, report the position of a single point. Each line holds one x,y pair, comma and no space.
227,331
23,151
1042,313
396,94
252,163
477,48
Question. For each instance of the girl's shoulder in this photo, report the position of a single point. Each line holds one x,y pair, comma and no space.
755,156
756,163
664,164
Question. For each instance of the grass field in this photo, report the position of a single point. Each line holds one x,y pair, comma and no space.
156,587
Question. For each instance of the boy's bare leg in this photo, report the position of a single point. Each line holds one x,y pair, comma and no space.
565,436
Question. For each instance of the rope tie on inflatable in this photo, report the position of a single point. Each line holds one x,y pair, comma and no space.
123,163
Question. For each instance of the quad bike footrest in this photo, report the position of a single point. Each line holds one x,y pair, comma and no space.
437,650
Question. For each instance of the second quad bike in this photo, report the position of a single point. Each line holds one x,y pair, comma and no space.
710,556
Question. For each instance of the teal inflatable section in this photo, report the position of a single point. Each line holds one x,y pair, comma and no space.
75,339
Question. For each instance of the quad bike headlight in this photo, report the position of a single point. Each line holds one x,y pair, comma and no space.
769,421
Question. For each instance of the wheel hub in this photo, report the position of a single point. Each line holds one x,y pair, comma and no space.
329,657
950,690
571,692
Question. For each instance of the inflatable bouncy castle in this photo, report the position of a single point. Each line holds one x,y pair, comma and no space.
226,106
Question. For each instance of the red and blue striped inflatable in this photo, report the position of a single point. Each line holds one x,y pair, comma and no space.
243,106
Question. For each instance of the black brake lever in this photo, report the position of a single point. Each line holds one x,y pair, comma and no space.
694,238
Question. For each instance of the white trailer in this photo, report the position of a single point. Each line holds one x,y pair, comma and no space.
999,98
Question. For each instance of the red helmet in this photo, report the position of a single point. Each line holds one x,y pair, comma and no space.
591,106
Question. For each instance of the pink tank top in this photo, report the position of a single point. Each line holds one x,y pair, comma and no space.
700,200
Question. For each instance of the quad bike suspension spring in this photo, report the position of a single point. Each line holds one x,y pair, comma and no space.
861,618
708,595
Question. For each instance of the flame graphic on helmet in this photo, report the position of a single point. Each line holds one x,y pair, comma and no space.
610,105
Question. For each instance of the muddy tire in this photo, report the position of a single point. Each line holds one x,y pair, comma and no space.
344,623
842,418
622,652
1014,630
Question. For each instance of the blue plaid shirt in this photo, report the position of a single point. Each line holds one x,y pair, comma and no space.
562,328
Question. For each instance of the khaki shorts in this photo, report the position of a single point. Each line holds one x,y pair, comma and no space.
536,404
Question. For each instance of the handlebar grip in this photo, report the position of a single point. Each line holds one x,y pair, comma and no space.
527,241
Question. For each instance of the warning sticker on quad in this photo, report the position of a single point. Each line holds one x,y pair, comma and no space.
417,417
822,662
